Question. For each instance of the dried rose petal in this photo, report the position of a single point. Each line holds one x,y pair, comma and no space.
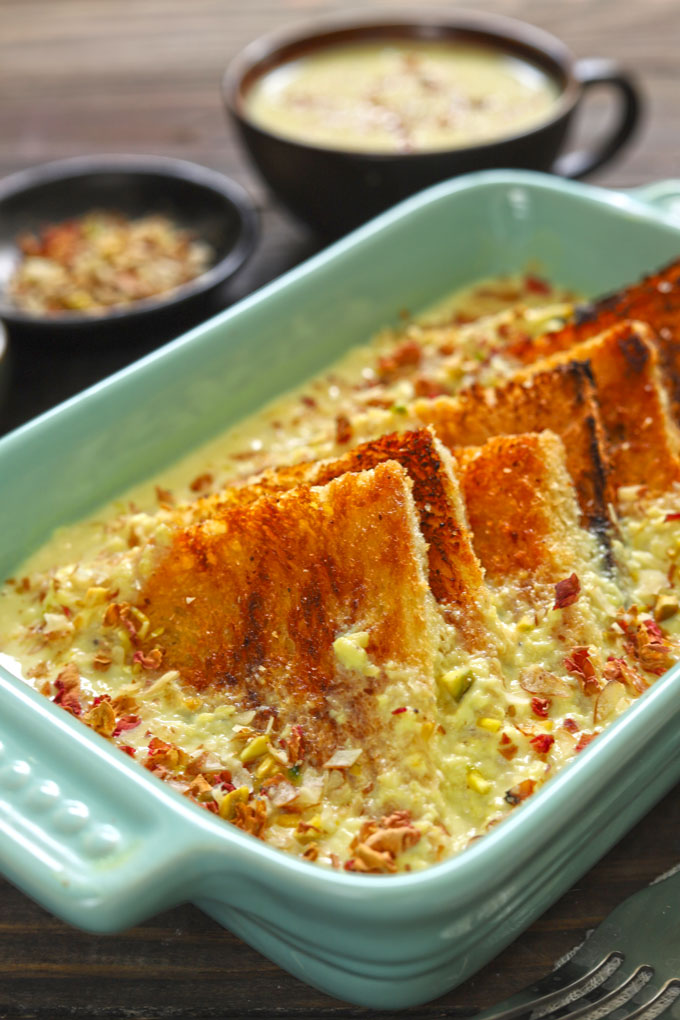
68,689
618,669
584,740
406,355
579,663
126,722
151,661
201,482
567,592
343,429
540,707
535,285
542,742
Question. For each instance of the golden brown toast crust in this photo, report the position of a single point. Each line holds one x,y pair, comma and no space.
524,517
561,399
642,438
456,579
521,506
655,301
503,483
251,603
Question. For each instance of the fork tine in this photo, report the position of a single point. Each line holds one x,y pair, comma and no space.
603,1007
606,1004
659,1003
570,992
645,927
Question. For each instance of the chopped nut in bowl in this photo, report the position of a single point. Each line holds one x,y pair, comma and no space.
104,260
94,240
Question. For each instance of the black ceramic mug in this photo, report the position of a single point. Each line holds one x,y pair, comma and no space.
335,189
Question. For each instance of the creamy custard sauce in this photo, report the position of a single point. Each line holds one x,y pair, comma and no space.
401,97
465,749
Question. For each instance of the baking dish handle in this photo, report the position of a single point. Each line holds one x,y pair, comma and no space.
79,831
663,196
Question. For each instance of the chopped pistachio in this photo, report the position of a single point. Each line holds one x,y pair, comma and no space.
288,821
487,723
255,748
96,595
350,650
229,802
427,729
477,782
266,767
457,682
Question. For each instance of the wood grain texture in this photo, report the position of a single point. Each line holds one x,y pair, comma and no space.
82,76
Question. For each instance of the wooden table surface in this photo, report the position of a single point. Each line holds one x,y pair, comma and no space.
85,76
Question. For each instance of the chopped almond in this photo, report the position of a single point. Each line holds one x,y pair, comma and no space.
369,860
101,718
607,700
251,817
536,680
520,792
201,789
619,669
378,844
650,647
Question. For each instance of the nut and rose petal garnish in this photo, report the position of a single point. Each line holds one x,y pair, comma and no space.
104,260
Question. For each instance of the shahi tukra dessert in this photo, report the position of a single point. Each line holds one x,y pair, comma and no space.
367,623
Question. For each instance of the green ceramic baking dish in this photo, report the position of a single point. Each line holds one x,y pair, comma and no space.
102,843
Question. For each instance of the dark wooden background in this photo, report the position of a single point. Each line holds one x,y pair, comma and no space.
83,76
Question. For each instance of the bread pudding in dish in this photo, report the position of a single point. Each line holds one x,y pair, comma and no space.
368,623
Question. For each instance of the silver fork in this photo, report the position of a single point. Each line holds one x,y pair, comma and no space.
627,969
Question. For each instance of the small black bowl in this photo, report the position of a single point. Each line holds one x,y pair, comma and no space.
214,208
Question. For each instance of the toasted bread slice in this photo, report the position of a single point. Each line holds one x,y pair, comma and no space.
655,300
251,602
643,440
524,518
561,399
456,578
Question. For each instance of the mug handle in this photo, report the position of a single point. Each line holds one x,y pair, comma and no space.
591,73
